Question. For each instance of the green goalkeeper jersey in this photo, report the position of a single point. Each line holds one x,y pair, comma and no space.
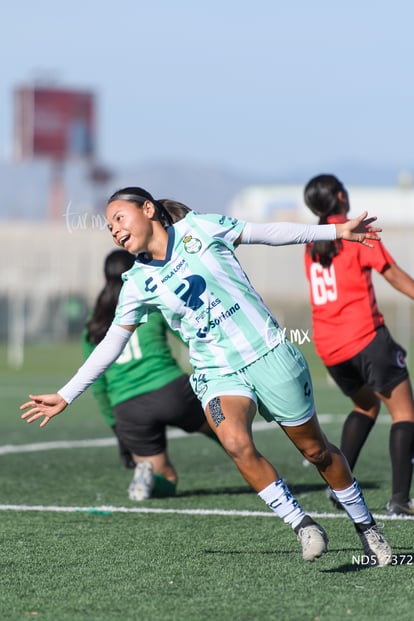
145,365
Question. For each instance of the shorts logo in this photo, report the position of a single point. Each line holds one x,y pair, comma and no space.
307,390
400,359
202,333
192,245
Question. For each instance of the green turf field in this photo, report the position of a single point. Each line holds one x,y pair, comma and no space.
74,548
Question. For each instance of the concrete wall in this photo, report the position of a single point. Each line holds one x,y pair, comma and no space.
41,261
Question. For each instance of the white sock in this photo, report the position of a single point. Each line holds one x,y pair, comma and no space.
280,499
353,502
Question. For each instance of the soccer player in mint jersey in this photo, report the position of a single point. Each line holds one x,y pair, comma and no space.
352,340
241,360
143,391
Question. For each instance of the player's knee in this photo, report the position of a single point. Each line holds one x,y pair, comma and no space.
238,447
320,456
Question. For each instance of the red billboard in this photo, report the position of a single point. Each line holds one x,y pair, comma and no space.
54,123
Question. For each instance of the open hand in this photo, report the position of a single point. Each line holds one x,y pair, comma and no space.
45,406
359,230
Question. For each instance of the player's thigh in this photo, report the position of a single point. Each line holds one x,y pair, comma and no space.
308,437
231,417
399,402
366,401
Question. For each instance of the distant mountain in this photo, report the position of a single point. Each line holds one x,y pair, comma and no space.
203,188
25,188
350,172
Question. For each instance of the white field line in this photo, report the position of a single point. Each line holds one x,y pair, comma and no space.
7,449
109,510
172,433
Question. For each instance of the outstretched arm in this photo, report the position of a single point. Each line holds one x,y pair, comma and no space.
286,233
399,279
104,354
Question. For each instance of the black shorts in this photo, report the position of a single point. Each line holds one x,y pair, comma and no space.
141,423
380,365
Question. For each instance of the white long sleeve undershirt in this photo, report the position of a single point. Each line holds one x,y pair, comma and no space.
104,354
286,233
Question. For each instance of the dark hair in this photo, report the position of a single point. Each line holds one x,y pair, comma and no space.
116,263
177,211
168,211
321,195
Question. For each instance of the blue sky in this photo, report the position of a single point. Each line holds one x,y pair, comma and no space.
260,87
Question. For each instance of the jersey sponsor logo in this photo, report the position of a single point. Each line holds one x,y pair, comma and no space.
213,323
192,245
173,271
224,315
190,291
204,312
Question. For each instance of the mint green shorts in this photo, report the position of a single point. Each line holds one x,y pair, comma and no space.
279,383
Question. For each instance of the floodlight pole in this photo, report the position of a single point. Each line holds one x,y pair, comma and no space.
16,331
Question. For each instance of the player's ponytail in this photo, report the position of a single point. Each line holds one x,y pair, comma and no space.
116,263
322,196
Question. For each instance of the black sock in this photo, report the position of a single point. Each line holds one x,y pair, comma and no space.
401,451
354,434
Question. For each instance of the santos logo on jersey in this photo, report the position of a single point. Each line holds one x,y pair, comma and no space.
192,245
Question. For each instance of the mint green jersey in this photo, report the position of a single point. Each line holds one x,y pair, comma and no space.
204,294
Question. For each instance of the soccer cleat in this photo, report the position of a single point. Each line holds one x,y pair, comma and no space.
163,488
374,543
142,484
401,508
312,537
333,500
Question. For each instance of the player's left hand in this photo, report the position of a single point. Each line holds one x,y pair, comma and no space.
359,230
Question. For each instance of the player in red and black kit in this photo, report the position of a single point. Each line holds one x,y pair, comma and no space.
354,343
